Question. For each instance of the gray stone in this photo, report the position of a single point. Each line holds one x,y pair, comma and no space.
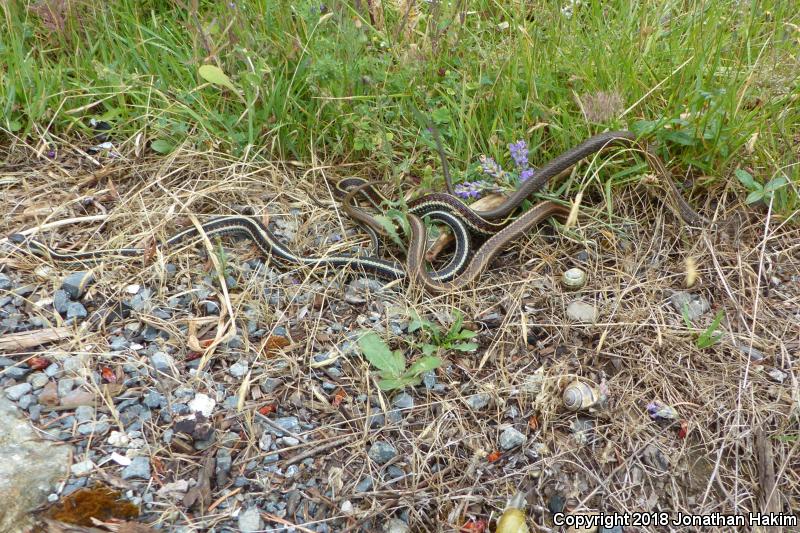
265,442
18,391
76,310
154,399
289,423
60,301
138,469
73,364
5,282
395,525
97,427
38,380
479,401
52,370
161,361
65,385
12,370
579,311
29,468
76,284
118,343
26,401
140,301
403,401
84,413
694,304
511,438
429,379
250,520
82,468
394,472
238,369
288,441
382,452
358,289
292,471
365,484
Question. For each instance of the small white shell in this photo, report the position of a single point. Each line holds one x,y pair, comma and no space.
579,396
573,279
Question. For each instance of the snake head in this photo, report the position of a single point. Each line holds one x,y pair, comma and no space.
17,238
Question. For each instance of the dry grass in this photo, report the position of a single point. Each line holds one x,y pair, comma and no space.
640,347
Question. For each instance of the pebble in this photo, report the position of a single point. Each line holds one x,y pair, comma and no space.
250,520
65,385
403,401
755,355
161,361
76,310
476,402
395,525
76,284
73,364
265,442
358,289
154,399
511,438
695,304
289,423
288,441
52,370
98,427
238,369
365,484
382,452
84,413
582,312
5,282
60,301
82,468
26,401
18,391
140,301
777,375
202,403
38,380
118,343
119,439
138,469
12,371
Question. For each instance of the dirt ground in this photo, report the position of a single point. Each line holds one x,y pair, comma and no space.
729,445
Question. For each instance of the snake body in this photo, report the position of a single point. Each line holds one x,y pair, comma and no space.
464,221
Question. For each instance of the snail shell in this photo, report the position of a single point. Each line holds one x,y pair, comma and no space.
512,521
579,396
573,279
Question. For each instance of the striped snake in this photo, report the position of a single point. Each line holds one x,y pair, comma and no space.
446,208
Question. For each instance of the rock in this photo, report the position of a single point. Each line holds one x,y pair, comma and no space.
476,402
358,289
777,375
29,468
140,301
18,391
118,343
118,439
138,469
755,355
5,282
579,311
395,525
202,404
84,413
269,385
161,361
511,438
382,452
288,441
60,301
81,469
250,520
38,380
365,484
403,401
97,427
265,442
76,284
154,399
65,385
289,423
238,369
26,401
76,310
695,304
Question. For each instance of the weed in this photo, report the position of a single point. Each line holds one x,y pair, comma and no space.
391,365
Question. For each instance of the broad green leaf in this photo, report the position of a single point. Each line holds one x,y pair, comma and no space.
423,364
774,184
456,327
680,137
754,196
440,115
162,146
14,125
380,356
428,349
746,179
388,226
465,347
213,74
391,384
465,334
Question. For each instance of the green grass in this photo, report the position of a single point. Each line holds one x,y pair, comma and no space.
704,77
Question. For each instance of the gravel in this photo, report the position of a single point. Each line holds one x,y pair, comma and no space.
138,469
18,391
76,310
382,452
511,438
250,520
76,284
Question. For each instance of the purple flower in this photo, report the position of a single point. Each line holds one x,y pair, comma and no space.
526,174
473,189
490,167
519,153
